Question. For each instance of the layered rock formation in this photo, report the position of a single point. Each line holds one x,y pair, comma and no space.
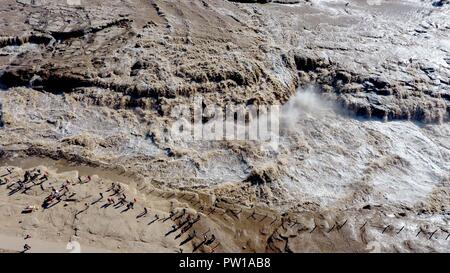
98,83
364,55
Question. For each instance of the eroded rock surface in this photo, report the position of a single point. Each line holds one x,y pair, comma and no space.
98,83
386,59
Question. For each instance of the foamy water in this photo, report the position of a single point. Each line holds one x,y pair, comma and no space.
400,162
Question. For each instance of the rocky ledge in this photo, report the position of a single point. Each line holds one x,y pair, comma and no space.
383,59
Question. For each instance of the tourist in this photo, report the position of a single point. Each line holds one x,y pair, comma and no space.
26,176
45,176
210,241
26,248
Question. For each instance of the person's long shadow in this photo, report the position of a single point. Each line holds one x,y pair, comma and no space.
178,217
12,192
171,231
198,246
52,205
118,205
185,229
72,195
179,227
28,188
81,211
40,184
116,193
106,205
167,218
141,215
154,220
187,240
43,178
96,201
179,235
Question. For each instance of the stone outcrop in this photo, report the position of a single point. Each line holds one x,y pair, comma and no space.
359,54
97,84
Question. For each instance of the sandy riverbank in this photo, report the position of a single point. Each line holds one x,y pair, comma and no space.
175,216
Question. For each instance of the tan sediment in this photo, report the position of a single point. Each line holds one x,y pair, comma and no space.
236,225
97,86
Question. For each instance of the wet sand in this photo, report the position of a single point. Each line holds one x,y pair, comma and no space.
220,224
15,244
